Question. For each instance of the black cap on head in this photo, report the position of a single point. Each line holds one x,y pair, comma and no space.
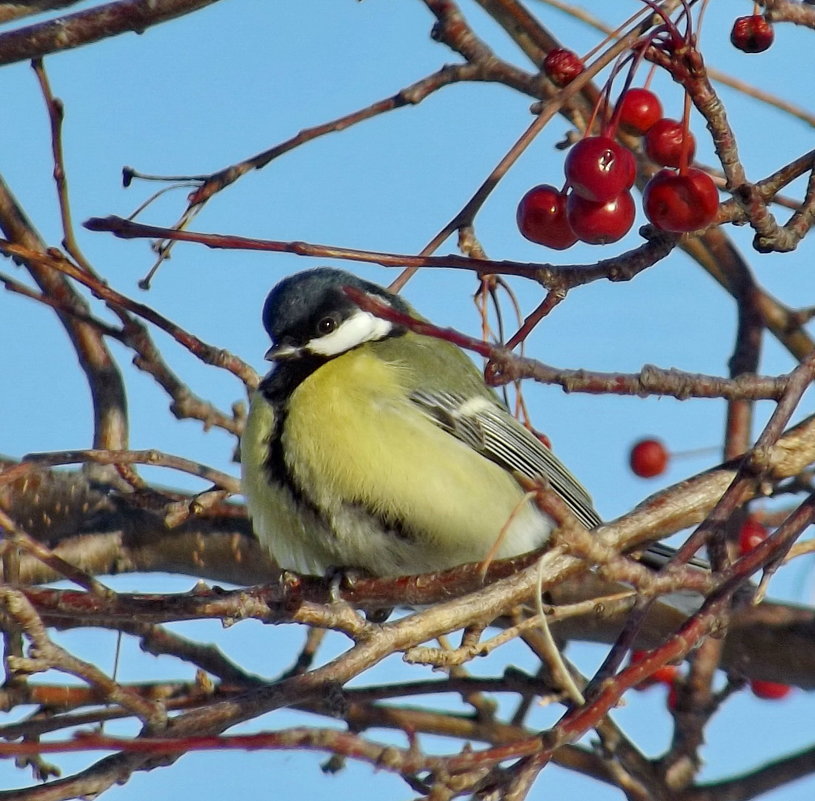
295,304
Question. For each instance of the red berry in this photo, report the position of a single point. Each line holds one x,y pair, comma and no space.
667,674
639,110
680,202
599,169
665,141
562,65
601,223
648,458
771,690
541,218
751,534
752,34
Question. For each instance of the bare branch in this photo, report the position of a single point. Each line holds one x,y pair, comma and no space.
93,25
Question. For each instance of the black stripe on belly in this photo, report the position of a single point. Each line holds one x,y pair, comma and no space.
276,389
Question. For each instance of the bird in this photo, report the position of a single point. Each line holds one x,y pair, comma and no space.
373,448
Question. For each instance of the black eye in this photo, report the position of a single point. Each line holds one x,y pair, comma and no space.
327,324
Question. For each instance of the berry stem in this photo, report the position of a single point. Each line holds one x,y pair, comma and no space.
692,453
612,35
669,24
684,158
700,19
650,77
602,101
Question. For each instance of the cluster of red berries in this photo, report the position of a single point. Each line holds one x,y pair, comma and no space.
596,206
669,675
751,534
599,208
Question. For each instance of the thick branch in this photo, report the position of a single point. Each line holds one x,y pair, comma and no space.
93,25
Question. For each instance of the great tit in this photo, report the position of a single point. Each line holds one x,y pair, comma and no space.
371,447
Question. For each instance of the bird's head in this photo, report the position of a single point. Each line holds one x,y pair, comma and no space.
309,314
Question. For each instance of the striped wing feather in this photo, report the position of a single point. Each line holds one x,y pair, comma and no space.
486,427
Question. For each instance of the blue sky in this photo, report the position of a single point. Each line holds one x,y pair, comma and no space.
205,91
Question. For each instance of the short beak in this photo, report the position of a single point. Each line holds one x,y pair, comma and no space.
282,352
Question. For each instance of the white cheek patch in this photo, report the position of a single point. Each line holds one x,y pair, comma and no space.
360,327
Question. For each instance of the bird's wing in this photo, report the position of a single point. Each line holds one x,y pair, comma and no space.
657,555
482,424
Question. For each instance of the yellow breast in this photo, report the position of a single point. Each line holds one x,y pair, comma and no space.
362,443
